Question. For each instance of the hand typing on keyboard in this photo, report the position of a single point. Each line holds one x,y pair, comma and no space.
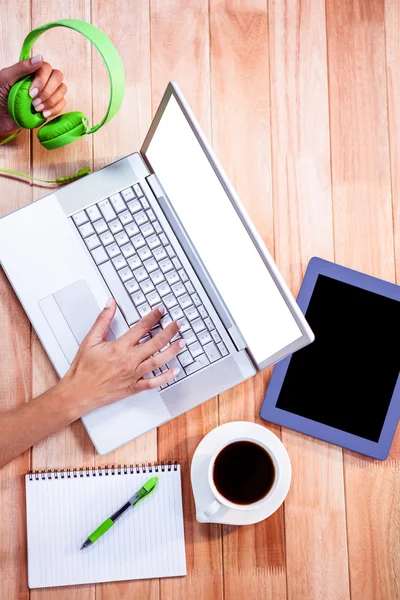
104,372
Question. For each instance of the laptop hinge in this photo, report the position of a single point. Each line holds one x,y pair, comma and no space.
196,263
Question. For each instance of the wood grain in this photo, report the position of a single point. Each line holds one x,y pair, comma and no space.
301,102
180,51
364,240
15,352
315,507
254,557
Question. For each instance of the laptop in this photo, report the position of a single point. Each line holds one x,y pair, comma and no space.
160,226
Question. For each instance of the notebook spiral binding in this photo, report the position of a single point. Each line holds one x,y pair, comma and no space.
103,471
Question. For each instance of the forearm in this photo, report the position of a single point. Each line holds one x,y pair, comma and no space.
26,425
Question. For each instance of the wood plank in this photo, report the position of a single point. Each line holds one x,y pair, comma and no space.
127,24
15,356
315,509
254,557
364,240
180,51
69,52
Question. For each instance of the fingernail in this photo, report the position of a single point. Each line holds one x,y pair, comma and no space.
109,303
161,309
36,59
33,92
39,107
45,113
179,323
176,371
36,101
182,343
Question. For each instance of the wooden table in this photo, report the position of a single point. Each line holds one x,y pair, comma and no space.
301,100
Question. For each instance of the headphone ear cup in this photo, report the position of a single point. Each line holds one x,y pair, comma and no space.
20,106
63,130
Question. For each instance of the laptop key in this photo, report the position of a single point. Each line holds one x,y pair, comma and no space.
117,202
202,310
191,313
209,323
128,194
170,251
164,239
215,336
172,277
132,286
119,292
189,336
157,227
93,213
147,229
177,264
151,265
125,274
92,242
151,215
106,238
140,274
144,202
157,276
80,218
99,255
86,229
106,210
132,229
223,349
125,217
144,252
113,250
163,288
190,288
185,301
128,250
147,286
134,262
202,360
178,288
183,276
138,297
141,217
138,241
144,309
198,325
138,189
192,368
153,298
195,349
170,301
204,337
115,226
134,206
119,261
165,265
159,253
100,226
121,238
176,313
184,325
212,351
174,364
196,299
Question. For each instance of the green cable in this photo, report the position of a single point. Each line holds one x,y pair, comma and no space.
80,173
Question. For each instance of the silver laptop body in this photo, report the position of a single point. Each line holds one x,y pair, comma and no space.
163,225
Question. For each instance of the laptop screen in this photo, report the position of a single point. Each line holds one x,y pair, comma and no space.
219,236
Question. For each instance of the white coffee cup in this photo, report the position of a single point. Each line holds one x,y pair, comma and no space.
219,499
211,504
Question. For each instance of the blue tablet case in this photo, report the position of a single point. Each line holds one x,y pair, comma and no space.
269,410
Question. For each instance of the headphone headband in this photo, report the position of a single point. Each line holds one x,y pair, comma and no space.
107,51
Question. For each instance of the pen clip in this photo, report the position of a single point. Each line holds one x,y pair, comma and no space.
144,491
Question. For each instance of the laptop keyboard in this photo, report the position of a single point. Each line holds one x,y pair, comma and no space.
140,267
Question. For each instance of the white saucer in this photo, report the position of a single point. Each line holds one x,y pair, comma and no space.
203,495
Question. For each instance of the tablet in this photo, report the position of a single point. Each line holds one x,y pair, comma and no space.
344,388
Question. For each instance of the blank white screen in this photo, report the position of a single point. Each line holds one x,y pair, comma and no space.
219,236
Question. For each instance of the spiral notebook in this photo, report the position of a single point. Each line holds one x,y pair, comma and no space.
64,507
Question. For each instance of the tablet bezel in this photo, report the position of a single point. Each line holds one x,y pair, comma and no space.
269,410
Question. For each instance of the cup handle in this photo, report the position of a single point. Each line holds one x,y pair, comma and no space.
212,509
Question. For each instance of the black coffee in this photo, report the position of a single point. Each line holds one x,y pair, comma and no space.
243,472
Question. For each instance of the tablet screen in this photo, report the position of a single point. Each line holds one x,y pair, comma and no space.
346,378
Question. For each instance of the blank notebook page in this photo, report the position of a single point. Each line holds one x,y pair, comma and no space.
147,541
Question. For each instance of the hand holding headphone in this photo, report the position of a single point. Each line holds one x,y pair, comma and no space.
71,126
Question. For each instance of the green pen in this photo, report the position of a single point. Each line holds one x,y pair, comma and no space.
144,491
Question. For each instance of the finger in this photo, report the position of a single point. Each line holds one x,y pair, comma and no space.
154,382
159,341
52,101
162,358
41,78
98,332
22,68
52,112
49,88
143,326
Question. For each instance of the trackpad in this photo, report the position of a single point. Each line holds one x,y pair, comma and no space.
70,313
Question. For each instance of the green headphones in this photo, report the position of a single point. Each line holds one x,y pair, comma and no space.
72,126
